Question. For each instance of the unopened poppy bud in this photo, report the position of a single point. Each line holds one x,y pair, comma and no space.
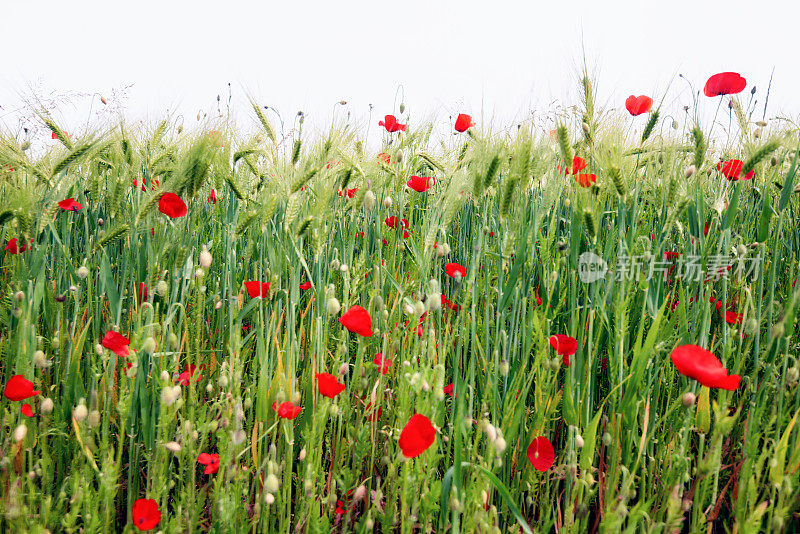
173,446
149,346
335,265
20,432
209,388
607,439
690,170
94,418
503,368
164,376
343,369
162,288
369,200
82,272
741,250
46,406
19,296
567,202
586,127
387,202
80,412
343,268
761,124
688,399
271,483
402,107
333,306
490,431
579,441
269,498
100,222
223,381
302,455
25,145
172,339
419,308
205,258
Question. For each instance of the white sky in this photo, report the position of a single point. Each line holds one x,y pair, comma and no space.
494,59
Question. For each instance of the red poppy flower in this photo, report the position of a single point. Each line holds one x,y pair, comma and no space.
116,343
391,222
578,164
70,204
145,514
332,163
420,184
188,374
349,193
390,123
211,461
463,122
328,385
565,346
636,105
705,227
142,293
450,304
12,248
286,410
732,317
701,365
541,454
172,206
374,415
19,388
731,169
724,83
451,269
128,365
448,389
54,136
417,436
382,362
257,289
26,410
385,158
357,320
305,286
586,180
212,198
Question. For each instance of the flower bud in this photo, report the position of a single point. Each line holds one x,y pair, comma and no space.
205,258
690,170
83,272
162,288
688,399
369,200
20,432
94,418
387,202
333,306
272,484
173,446
46,406
80,412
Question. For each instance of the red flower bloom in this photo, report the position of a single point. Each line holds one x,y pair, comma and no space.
451,269
732,317
420,184
145,514
382,362
142,293
328,385
11,246
390,123
54,136
391,222
349,193
463,123
417,436
286,410
586,180
257,289
70,204
450,304
116,343
26,410
212,198
541,454
188,373
731,169
724,83
357,320
172,206
211,461
448,389
700,364
578,164
565,346
385,158
19,388
305,286
636,105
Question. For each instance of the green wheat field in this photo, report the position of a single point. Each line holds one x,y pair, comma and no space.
582,328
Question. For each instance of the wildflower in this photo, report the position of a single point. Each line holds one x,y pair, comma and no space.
448,390
26,410
420,184
257,289
578,164
417,436
731,169
357,320
188,373
145,514
724,83
172,206
455,270
116,343
463,123
732,317
391,222
390,123
636,105
349,193
586,180
565,346
12,248
382,362
328,385
305,286
541,454
19,388
700,364
212,198
286,410
385,158
211,461
70,204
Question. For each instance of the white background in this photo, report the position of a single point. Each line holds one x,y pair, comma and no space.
497,60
